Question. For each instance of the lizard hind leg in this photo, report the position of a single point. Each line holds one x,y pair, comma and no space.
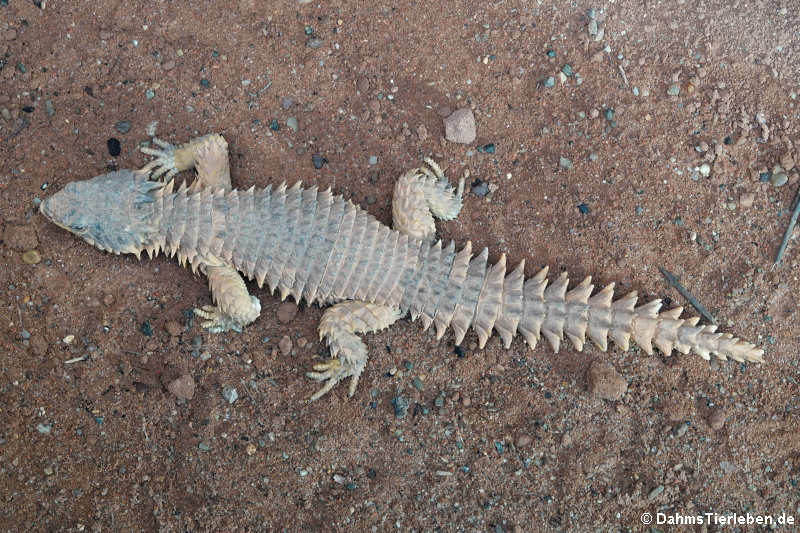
234,308
339,325
422,194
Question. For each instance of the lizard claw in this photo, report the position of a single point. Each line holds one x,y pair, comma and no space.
333,372
164,162
216,321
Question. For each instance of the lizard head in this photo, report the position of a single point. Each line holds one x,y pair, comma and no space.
113,212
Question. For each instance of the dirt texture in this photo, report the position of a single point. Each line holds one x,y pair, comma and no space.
119,413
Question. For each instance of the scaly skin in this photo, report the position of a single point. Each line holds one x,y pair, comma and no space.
318,247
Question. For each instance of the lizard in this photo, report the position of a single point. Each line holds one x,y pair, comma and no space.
321,248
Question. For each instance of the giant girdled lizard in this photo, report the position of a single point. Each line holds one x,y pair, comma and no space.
318,247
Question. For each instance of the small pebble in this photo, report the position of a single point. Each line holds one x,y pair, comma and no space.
31,257
609,113
182,387
314,42
564,163
48,108
25,334
286,102
747,199
149,94
705,170
318,161
373,160
460,126
251,449
44,428
779,180
480,188
674,90
655,493
605,382
417,383
230,394
400,404
550,82
146,328
716,420
286,312
593,156
566,70
584,209
285,345
205,83
274,125
204,447
114,147
291,123
123,126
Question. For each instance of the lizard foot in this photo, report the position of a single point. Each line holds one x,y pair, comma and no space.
217,321
333,372
164,162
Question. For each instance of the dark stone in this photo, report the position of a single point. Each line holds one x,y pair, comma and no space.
114,147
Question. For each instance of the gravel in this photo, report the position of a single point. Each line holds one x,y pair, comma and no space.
292,124
779,180
318,161
123,126
564,163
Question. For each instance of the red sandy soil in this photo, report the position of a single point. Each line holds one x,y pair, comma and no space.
496,440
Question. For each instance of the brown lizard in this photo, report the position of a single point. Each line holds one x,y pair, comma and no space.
318,247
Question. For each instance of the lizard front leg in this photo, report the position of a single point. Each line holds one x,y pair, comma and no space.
338,326
207,154
235,307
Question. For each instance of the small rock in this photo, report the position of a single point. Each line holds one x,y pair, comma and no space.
292,124
605,382
779,179
182,387
318,161
286,102
564,163
286,312
10,34
655,493
20,237
39,345
230,394
173,328
49,108
285,344
203,447
123,126
372,160
459,127
705,170
363,85
480,188
114,148
747,199
549,82
584,209
400,404
251,449
314,42
727,467
149,94
44,428
674,90
523,441
717,420
108,299
31,257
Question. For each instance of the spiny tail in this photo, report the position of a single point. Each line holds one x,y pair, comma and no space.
490,299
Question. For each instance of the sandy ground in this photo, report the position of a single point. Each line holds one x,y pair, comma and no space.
492,440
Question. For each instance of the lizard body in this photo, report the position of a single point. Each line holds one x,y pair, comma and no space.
318,247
